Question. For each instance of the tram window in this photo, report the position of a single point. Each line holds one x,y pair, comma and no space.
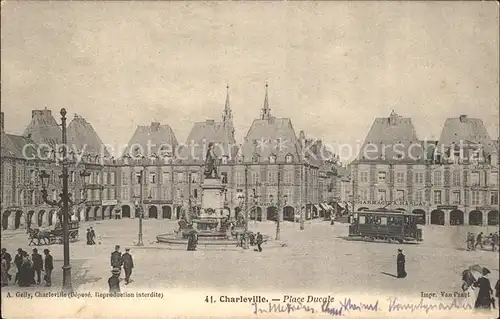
378,221
383,221
361,219
407,220
394,221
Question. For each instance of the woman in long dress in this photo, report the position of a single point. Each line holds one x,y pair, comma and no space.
483,301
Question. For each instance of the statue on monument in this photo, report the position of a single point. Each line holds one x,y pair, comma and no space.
210,162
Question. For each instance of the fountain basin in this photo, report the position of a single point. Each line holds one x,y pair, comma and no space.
208,239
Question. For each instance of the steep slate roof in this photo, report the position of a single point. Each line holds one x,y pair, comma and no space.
83,137
318,153
468,130
156,135
13,146
44,128
194,151
394,137
264,136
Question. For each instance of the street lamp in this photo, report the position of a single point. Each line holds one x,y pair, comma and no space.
139,205
64,203
254,207
242,201
281,202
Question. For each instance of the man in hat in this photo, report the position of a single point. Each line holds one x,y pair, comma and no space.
114,280
92,236
479,240
89,237
116,258
260,240
8,259
400,264
18,261
49,266
37,264
128,264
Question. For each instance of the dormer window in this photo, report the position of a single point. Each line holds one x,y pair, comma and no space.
289,158
272,159
239,159
126,158
153,158
255,159
224,159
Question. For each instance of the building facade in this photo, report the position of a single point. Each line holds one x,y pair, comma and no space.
453,181
23,159
273,173
266,173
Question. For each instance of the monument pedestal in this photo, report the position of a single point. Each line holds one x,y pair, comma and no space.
209,220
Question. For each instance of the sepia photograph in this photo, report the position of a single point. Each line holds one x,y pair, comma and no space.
195,159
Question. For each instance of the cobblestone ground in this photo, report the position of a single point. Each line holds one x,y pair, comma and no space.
315,259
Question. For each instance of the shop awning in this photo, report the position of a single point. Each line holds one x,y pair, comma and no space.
317,207
331,208
325,206
341,205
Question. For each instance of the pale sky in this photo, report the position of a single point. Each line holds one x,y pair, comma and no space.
332,67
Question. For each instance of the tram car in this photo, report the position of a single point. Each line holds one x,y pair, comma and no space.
390,226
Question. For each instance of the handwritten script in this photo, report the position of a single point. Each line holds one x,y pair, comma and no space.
455,304
281,308
349,306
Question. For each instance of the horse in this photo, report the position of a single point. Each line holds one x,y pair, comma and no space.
39,235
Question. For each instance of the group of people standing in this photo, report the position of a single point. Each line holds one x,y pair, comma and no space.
90,236
119,260
29,269
473,242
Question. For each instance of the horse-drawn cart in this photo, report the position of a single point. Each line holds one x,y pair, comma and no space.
39,237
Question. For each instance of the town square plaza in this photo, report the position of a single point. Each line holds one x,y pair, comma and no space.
316,259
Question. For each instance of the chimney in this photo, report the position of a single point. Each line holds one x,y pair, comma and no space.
463,118
1,121
155,126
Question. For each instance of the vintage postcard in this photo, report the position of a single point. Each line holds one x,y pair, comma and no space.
189,159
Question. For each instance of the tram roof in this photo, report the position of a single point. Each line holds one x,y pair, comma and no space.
387,212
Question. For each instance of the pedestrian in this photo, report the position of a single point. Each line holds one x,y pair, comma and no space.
260,240
497,292
8,261
472,241
26,271
89,237
116,258
92,236
128,264
114,281
483,301
494,241
400,264
18,261
37,265
479,240
192,241
5,278
49,266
